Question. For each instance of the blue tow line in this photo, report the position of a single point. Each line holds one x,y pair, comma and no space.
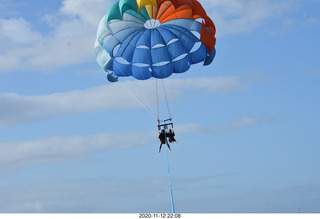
172,204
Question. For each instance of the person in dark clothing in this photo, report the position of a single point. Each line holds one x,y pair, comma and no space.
171,135
163,140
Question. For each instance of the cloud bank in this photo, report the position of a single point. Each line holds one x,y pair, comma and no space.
65,148
18,109
62,148
69,41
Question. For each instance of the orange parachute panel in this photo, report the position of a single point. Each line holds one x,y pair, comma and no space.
171,10
163,8
182,12
154,12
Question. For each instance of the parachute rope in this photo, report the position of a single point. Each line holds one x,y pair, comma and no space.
166,98
170,186
148,110
157,97
142,94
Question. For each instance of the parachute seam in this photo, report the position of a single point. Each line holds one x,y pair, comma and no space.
171,26
129,44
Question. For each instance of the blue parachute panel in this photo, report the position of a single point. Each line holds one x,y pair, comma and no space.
166,35
199,55
141,72
112,78
173,44
159,55
145,39
182,65
127,48
186,38
142,55
121,69
156,38
163,71
210,57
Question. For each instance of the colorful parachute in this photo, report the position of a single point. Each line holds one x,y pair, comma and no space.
154,38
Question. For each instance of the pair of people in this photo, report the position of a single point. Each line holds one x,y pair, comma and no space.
163,138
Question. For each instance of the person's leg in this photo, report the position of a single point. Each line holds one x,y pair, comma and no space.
168,146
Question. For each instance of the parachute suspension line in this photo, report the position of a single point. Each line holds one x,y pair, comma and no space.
131,93
157,99
165,95
170,186
163,88
156,88
142,84
143,100
171,80
140,103
166,74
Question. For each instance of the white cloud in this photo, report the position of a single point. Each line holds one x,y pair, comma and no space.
70,40
237,16
17,109
237,125
19,31
77,18
65,148
240,124
221,84
88,11
48,54
190,128
62,148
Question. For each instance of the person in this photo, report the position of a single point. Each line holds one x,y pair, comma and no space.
171,135
163,140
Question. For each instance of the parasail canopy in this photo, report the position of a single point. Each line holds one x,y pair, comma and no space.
154,38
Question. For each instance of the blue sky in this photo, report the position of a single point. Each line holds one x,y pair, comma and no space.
247,126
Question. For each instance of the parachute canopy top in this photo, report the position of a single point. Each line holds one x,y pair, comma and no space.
154,38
